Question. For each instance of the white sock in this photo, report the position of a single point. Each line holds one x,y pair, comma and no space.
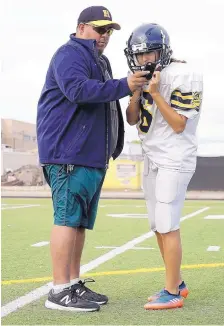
60,287
74,281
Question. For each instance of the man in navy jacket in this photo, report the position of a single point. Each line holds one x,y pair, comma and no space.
79,127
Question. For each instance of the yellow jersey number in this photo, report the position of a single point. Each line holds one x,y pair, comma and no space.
145,112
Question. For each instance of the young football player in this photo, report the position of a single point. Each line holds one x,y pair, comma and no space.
166,112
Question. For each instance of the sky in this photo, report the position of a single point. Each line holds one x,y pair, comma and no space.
32,30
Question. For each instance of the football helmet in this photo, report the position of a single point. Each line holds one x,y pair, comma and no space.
147,38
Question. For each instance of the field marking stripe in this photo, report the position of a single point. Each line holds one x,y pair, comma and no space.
119,272
142,206
213,248
154,269
16,207
43,290
214,217
40,244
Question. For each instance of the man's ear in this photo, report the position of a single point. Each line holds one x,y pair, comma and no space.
80,28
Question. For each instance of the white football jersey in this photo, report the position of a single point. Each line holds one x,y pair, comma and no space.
182,89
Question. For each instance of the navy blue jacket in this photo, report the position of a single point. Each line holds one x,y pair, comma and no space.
73,110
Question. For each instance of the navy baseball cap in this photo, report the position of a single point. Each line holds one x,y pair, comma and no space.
97,16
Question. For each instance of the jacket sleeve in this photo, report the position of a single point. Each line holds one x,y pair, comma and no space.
72,74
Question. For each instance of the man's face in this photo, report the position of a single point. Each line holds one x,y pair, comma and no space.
100,34
144,58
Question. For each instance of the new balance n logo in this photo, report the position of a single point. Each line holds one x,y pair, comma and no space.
66,299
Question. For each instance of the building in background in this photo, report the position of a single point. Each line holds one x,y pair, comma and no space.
19,153
18,135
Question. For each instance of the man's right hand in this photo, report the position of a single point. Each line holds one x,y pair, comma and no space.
137,80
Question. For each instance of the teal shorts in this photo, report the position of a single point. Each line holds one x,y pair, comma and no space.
75,194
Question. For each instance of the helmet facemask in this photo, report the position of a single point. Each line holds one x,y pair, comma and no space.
162,62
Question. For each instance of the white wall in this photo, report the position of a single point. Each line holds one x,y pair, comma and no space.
15,160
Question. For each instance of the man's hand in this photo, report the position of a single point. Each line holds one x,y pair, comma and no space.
137,80
154,84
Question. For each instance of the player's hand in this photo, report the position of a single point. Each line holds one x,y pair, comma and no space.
137,80
154,83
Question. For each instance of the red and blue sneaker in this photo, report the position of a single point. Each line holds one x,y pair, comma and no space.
166,300
182,288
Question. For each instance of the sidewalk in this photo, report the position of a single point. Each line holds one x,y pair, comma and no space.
44,192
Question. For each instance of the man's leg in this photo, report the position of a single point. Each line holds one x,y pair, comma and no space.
61,297
93,183
67,217
97,177
62,235
62,244
77,253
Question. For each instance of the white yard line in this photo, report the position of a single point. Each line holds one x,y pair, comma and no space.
43,290
214,217
128,215
107,247
144,206
134,248
40,244
115,205
18,204
213,248
15,207
143,248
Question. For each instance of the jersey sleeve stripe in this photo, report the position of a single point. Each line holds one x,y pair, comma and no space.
184,96
182,106
179,107
183,101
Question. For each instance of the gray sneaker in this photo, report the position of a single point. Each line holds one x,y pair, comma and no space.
83,292
70,301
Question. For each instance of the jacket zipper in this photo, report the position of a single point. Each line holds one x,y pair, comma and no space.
106,117
107,142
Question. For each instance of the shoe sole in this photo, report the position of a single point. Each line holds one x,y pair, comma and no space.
184,293
54,306
164,306
99,303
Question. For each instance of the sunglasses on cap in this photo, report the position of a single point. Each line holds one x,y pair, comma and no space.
102,30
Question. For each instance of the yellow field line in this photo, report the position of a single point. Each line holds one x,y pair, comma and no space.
121,272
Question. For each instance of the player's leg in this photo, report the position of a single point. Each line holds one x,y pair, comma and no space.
171,234
170,193
172,258
149,184
160,243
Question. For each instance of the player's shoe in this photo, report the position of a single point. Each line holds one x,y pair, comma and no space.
182,288
165,301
